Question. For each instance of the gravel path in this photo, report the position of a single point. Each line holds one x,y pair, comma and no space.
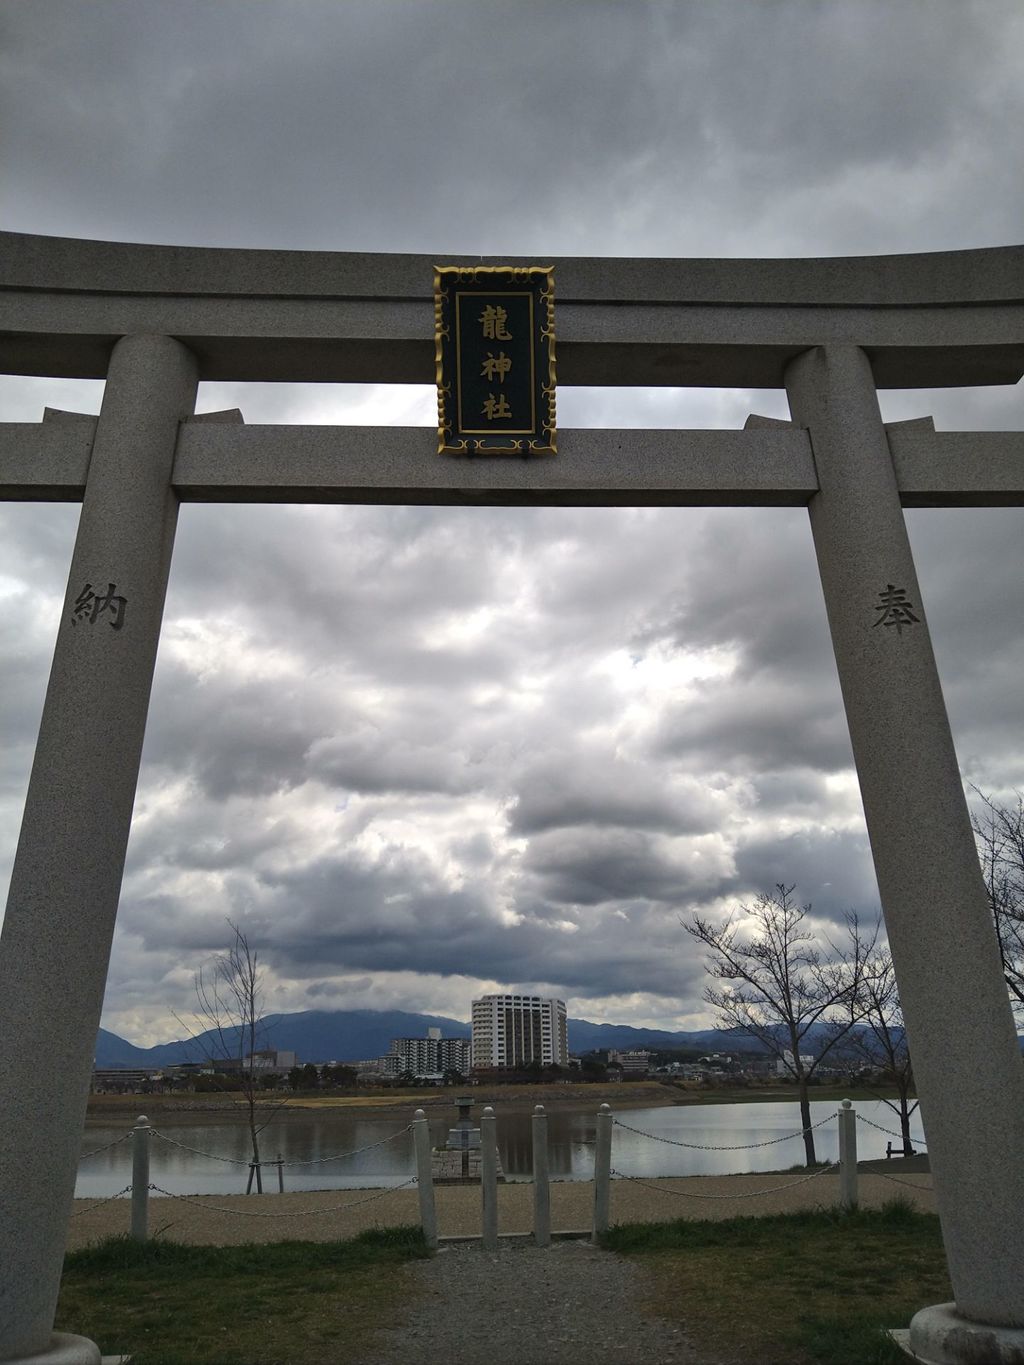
569,1304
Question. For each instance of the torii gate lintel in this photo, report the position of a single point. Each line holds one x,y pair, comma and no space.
768,464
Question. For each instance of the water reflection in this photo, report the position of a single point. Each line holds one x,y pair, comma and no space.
308,1137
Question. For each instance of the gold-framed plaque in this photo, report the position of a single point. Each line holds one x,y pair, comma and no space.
494,344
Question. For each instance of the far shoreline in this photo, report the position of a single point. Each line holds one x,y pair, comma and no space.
193,1108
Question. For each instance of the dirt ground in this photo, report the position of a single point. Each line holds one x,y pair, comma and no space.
390,1104
221,1220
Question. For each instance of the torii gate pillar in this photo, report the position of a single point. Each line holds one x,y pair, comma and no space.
67,871
940,930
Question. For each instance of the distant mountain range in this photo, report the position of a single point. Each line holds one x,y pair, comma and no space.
354,1035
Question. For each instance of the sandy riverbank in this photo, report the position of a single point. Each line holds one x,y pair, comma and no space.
221,1220
510,1099
104,1109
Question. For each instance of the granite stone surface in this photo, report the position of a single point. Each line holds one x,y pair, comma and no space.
940,1336
967,1062
937,318
66,879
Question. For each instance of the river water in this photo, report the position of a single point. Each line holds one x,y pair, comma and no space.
312,1138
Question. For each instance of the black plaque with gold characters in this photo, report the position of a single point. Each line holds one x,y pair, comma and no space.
494,332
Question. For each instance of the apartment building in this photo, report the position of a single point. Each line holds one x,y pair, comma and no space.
513,1030
429,1056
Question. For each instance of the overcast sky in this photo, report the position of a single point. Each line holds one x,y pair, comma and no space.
420,753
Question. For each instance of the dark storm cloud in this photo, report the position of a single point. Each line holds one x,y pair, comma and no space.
320,125
792,791
970,596
254,739
590,867
373,761
831,870
196,840
601,790
391,911
350,915
757,723
749,582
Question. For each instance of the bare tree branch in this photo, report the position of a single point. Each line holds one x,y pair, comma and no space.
229,1022
999,831
778,985
880,1041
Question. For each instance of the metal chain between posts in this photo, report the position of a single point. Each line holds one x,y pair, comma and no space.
196,1151
749,1194
313,1161
106,1147
897,1180
889,1132
295,1213
709,1147
109,1200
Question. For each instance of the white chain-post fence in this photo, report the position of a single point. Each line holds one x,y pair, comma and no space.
424,1178
541,1179
847,1155
489,1180
846,1166
141,1187
602,1172
140,1179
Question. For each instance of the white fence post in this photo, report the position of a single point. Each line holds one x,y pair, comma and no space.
140,1179
541,1186
847,1155
602,1171
489,1179
424,1178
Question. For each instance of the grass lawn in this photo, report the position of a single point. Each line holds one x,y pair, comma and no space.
814,1288
286,1303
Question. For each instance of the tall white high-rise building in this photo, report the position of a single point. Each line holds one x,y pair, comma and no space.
512,1030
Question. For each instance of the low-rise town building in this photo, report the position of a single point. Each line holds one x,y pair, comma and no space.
632,1062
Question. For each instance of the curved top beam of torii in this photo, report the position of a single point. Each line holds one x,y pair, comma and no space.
930,320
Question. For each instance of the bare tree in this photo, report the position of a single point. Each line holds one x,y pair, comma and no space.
777,985
999,831
880,1040
229,1026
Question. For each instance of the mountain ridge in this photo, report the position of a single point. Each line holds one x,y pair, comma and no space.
355,1035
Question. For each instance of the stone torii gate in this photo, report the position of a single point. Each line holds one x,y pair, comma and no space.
154,320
